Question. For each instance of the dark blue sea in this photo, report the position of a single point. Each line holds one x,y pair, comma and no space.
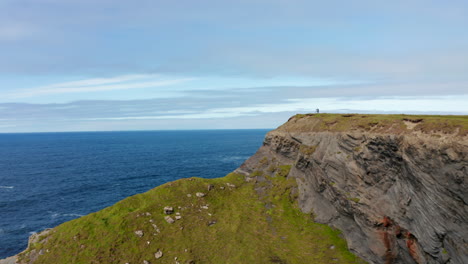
49,178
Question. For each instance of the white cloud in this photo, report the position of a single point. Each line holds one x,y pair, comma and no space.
124,82
98,81
401,104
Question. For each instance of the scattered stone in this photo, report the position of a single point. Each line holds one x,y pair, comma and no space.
222,187
210,187
212,222
148,214
168,210
175,258
200,194
204,207
139,233
151,220
191,261
158,254
249,179
332,247
230,185
181,228
155,227
169,219
147,242
177,213
189,195
145,262
178,217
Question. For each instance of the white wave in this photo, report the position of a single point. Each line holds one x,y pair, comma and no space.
7,187
234,158
56,215
77,215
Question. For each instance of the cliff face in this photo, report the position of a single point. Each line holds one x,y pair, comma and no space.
396,187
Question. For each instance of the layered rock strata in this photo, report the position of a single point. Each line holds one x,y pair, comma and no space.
398,193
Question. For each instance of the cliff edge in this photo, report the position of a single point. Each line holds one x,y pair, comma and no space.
395,185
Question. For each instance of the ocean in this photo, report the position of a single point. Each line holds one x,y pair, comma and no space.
50,178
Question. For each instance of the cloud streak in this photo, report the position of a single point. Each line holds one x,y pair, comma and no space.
125,82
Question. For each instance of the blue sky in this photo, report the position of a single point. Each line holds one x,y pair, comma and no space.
82,65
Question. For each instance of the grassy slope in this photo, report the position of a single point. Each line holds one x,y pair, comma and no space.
397,124
246,230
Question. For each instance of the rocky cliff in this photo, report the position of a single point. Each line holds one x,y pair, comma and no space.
396,186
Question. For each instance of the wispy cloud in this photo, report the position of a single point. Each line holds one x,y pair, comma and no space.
124,82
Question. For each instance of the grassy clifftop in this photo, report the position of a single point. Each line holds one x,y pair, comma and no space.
395,124
227,222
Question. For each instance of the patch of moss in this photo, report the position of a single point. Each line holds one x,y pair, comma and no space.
256,173
272,168
263,161
354,199
283,170
307,150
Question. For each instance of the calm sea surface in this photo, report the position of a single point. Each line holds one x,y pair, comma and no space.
49,178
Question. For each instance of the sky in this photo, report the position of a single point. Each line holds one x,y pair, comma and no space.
82,65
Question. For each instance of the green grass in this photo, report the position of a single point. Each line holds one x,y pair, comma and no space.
248,229
307,150
398,124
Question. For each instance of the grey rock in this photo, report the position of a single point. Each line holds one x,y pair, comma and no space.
10,260
200,194
397,198
139,233
169,219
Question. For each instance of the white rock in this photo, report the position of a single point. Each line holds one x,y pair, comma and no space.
139,233
158,254
200,194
